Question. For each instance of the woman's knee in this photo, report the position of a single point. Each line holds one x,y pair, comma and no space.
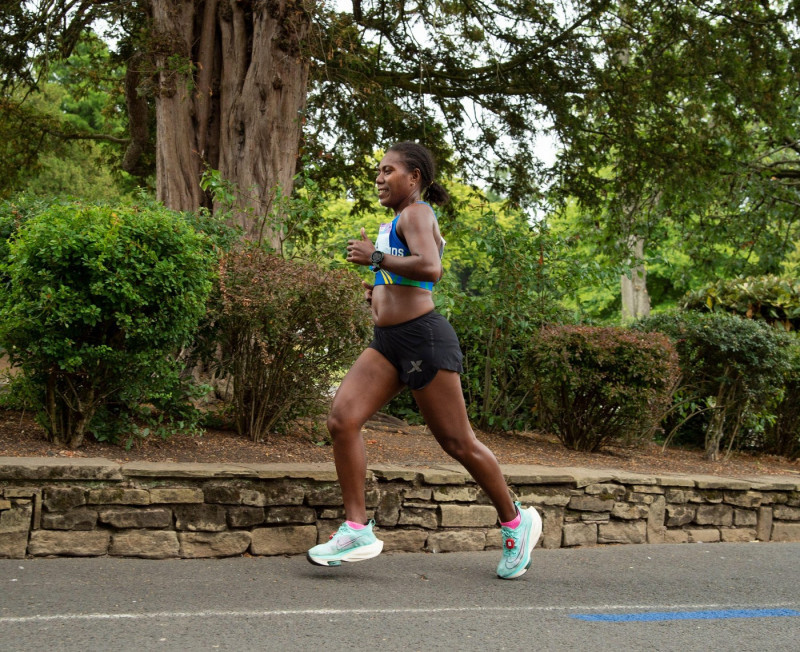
459,448
339,426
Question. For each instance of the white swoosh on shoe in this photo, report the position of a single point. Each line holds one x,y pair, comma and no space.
343,543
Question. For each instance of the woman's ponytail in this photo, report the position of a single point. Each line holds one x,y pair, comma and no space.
436,194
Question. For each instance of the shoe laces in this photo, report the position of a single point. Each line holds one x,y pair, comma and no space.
509,541
342,528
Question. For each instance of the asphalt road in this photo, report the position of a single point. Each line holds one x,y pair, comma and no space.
647,597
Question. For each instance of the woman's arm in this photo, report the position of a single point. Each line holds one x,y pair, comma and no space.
417,228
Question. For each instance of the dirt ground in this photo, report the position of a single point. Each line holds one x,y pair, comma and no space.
389,441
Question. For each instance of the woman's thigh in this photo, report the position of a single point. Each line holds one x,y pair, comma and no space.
371,383
442,406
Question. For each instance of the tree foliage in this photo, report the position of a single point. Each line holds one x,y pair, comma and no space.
689,131
477,79
678,111
675,121
508,281
67,137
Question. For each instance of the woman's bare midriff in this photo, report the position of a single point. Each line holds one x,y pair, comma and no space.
395,304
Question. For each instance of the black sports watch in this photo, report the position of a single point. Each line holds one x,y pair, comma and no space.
377,259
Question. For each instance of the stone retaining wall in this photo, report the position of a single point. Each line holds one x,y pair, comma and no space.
92,507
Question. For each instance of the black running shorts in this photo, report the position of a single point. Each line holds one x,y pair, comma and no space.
419,348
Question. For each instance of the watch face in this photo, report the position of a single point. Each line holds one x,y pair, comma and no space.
377,257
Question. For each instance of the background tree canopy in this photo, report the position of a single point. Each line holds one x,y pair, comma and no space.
674,122
690,136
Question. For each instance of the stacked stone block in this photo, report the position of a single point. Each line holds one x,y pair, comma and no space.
95,507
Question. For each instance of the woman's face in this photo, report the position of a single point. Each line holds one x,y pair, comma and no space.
395,183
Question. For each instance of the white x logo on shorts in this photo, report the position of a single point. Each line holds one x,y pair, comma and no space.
416,365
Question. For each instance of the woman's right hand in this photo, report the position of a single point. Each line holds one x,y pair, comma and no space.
359,252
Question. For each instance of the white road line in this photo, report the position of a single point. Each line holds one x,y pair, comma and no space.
268,613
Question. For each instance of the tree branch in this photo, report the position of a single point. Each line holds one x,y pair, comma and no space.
99,137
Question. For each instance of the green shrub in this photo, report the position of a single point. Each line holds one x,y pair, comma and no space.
772,299
730,369
285,330
13,214
17,393
96,300
494,338
782,434
602,384
515,284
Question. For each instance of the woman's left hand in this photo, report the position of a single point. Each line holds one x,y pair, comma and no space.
359,252
368,287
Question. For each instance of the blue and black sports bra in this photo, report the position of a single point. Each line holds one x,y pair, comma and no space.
390,243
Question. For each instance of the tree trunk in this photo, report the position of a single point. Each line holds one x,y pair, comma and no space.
716,426
177,160
635,299
69,408
231,90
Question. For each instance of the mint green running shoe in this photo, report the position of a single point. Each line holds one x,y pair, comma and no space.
346,545
518,544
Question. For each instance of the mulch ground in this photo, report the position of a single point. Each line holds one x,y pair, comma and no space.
388,441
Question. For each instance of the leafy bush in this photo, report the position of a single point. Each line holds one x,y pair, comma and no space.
773,299
294,221
782,434
602,384
730,369
95,301
17,393
517,278
13,214
285,329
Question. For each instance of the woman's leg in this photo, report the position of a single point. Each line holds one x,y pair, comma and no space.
442,405
371,382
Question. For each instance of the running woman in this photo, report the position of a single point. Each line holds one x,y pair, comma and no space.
413,347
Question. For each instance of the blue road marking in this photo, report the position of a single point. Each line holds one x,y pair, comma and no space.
653,616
